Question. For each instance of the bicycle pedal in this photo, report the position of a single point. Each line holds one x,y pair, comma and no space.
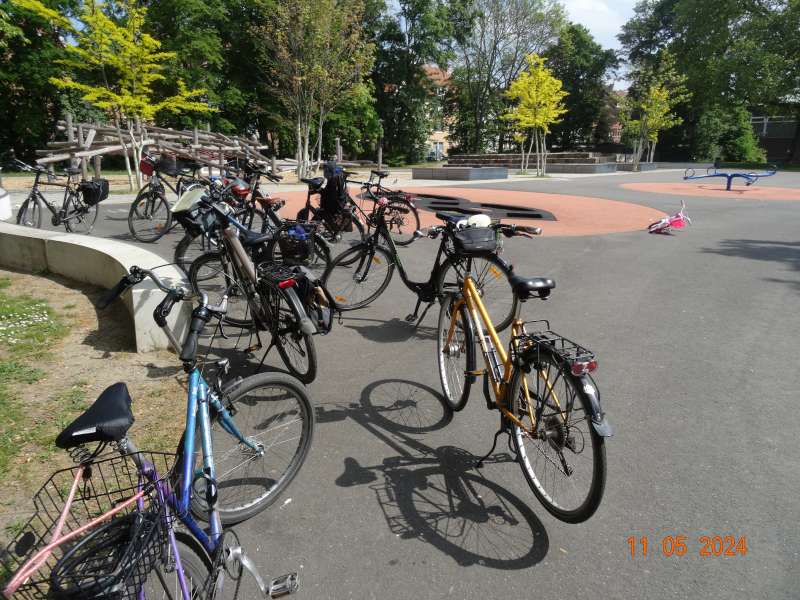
253,348
411,317
283,585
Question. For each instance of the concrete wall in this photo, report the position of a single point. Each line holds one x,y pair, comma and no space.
102,263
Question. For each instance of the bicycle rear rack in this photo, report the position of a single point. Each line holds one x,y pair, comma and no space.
566,351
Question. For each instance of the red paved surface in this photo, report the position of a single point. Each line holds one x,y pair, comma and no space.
577,215
717,190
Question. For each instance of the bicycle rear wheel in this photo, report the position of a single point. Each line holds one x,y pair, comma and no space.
561,455
402,220
192,246
80,217
455,354
491,275
295,347
30,213
358,276
150,216
273,411
163,582
213,274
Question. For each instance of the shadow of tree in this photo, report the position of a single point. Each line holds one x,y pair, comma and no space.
787,253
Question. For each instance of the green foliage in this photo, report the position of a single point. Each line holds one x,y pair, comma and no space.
356,122
419,34
727,135
582,65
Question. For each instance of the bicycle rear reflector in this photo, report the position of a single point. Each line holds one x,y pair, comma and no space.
582,368
287,283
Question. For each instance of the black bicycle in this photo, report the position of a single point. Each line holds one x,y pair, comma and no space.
78,212
360,274
402,217
150,216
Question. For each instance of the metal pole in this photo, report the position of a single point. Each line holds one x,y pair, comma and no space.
380,153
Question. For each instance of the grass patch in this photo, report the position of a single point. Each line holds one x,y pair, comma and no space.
28,328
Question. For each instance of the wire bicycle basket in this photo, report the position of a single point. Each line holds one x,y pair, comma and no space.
96,555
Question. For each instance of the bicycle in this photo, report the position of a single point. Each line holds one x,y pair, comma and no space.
78,212
139,506
541,385
403,217
362,273
150,217
240,271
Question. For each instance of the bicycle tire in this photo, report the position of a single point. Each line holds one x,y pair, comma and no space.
202,277
292,342
401,211
88,218
252,424
573,391
197,566
488,276
342,275
190,247
462,345
144,208
30,213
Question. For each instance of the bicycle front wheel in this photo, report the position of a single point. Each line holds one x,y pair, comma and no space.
191,247
273,412
491,275
455,351
358,276
30,213
80,217
561,455
149,217
213,274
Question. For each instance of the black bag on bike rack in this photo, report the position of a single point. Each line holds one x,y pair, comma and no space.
475,241
333,199
296,242
94,191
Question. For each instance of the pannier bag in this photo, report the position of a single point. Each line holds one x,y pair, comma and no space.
94,191
167,164
316,299
475,241
334,200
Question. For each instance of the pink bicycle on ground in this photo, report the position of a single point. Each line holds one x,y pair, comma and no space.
677,221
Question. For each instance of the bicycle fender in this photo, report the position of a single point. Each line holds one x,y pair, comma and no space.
599,421
306,324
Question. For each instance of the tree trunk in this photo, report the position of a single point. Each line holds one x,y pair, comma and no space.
319,141
124,152
544,154
298,153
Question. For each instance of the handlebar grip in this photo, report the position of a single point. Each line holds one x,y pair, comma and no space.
200,317
112,294
164,307
528,229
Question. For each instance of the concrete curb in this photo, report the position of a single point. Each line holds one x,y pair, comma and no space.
103,263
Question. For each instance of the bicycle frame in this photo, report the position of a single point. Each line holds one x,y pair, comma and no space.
499,363
59,215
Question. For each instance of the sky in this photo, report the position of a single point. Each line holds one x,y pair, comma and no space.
603,18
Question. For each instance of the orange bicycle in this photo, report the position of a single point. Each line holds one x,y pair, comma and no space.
541,385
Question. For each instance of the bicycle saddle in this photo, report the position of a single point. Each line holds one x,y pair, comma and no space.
316,183
380,174
107,420
451,218
254,238
525,287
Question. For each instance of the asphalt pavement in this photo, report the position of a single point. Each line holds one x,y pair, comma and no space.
697,338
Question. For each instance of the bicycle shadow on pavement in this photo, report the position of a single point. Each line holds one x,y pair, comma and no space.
437,495
391,331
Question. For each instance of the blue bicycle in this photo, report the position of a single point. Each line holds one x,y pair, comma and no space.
115,535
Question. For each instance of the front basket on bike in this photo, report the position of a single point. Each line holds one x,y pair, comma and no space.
109,560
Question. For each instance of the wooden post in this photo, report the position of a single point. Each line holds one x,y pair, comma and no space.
338,149
84,168
221,162
70,133
273,164
96,160
380,152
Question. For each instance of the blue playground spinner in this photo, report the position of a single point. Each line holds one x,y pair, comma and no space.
749,178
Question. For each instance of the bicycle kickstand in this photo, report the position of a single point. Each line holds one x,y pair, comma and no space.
503,429
413,316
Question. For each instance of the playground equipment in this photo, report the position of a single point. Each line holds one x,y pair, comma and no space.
749,178
677,221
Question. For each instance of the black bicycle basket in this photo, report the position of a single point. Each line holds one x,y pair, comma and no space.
111,559
296,242
167,164
475,241
94,191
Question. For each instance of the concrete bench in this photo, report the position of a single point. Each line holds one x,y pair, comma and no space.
459,173
102,263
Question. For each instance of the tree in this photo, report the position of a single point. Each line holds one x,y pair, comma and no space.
493,39
127,62
539,97
648,109
727,135
355,122
583,65
315,53
418,34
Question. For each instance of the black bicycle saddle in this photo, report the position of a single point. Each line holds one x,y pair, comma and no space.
107,420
